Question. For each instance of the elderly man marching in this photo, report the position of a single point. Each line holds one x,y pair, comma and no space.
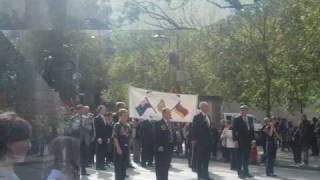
243,134
201,139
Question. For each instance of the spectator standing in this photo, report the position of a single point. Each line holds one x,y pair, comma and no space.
314,143
231,145
305,137
271,147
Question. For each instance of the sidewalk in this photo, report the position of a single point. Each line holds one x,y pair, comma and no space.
285,159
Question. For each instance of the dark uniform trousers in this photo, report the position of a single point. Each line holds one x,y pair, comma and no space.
101,154
147,152
120,164
243,160
234,159
203,161
163,160
121,160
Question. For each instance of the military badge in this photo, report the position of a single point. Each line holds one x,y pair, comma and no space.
163,127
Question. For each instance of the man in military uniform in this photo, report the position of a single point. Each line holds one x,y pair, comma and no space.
115,115
79,127
163,145
121,144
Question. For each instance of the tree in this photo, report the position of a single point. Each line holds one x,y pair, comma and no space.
300,57
55,55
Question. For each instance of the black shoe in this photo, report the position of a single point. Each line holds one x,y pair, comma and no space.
249,176
241,176
272,175
150,164
130,166
84,174
127,176
143,165
101,169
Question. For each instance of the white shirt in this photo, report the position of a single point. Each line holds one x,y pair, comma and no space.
227,138
207,118
245,119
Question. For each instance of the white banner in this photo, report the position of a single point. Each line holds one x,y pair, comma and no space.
148,104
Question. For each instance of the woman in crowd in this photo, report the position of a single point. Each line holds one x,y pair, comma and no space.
232,146
223,140
15,134
271,147
65,151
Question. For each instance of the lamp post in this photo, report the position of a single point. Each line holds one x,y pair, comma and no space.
76,76
173,63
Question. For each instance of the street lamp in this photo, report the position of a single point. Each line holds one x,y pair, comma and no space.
174,69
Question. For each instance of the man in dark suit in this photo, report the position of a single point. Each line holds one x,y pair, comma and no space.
146,133
201,139
103,127
163,145
243,133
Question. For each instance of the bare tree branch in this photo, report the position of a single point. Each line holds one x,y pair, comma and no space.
217,4
161,15
183,3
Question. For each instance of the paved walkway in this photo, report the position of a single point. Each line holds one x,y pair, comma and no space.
217,170
285,159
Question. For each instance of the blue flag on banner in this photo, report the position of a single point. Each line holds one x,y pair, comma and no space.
143,106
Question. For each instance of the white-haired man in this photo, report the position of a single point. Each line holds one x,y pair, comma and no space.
202,140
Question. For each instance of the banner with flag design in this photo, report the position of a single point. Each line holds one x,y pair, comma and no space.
148,104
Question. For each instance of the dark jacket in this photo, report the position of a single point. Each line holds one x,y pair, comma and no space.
305,133
103,131
241,133
146,132
201,131
162,135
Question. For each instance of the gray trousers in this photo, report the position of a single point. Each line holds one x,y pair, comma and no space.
136,150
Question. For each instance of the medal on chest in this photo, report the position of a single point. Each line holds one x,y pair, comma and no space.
124,131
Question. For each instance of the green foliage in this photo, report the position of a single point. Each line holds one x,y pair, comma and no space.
264,55
55,55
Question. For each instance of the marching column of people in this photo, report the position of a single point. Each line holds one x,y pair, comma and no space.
115,135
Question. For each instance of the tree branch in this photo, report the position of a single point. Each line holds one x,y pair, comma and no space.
218,5
159,16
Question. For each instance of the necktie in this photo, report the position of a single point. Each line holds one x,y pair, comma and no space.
170,131
247,122
208,120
